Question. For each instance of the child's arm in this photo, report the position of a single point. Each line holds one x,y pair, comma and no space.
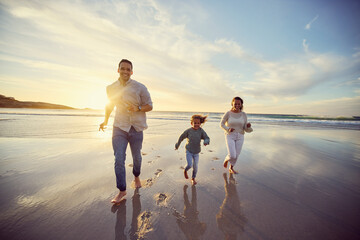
205,137
181,138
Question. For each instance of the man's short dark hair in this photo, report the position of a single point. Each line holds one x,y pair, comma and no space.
127,61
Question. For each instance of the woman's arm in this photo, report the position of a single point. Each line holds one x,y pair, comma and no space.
224,120
247,126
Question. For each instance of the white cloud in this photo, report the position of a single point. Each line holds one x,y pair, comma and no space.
165,54
295,77
308,26
305,46
83,42
346,107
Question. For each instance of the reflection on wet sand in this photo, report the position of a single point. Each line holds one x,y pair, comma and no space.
230,219
189,222
120,210
136,212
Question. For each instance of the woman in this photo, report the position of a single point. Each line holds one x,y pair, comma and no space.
235,124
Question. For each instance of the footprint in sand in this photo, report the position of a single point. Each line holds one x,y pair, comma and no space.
144,224
158,171
151,161
210,150
143,153
150,181
161,199
130,165
215,158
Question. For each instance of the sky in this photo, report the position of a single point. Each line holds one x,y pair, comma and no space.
280,56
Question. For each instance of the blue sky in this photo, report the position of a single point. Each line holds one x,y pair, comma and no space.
289,57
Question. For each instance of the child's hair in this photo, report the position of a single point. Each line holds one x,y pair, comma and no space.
202,118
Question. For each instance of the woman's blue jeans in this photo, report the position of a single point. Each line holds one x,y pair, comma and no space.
192,162
120,140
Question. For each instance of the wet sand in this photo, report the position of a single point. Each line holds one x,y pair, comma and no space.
293,183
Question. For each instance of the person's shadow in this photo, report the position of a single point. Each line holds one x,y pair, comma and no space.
230,219
189,221
120,210
135,214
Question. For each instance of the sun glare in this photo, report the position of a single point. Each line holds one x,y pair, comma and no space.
97,99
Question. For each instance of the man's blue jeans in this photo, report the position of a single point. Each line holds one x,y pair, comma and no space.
120,141
192,162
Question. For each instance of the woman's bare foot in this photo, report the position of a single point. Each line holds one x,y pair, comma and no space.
117,199
137,182
186,175
193,182
231,170
225,176
225,163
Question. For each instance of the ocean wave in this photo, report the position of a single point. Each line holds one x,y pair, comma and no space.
271,119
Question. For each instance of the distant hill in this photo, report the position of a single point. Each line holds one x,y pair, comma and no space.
10,102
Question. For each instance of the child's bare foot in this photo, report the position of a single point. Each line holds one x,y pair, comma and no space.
231,170
185,174
193,182
225,163
137,182
117,199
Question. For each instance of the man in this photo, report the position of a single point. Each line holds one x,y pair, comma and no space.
132,101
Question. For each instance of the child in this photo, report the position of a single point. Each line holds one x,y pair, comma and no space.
194,136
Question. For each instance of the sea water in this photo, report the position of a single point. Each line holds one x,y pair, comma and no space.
58,123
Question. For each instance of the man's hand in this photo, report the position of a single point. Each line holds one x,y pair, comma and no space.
132,108
102,126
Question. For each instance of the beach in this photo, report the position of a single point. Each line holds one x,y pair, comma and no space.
295,181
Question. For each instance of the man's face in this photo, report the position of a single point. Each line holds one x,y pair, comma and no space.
125,71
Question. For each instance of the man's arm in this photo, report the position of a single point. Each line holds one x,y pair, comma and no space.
108,110
144,108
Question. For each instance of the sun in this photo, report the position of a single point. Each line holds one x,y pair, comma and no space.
97,99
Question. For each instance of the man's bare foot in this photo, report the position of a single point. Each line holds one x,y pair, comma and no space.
225,163
193,182
137,182
117,199
231,170
185,174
